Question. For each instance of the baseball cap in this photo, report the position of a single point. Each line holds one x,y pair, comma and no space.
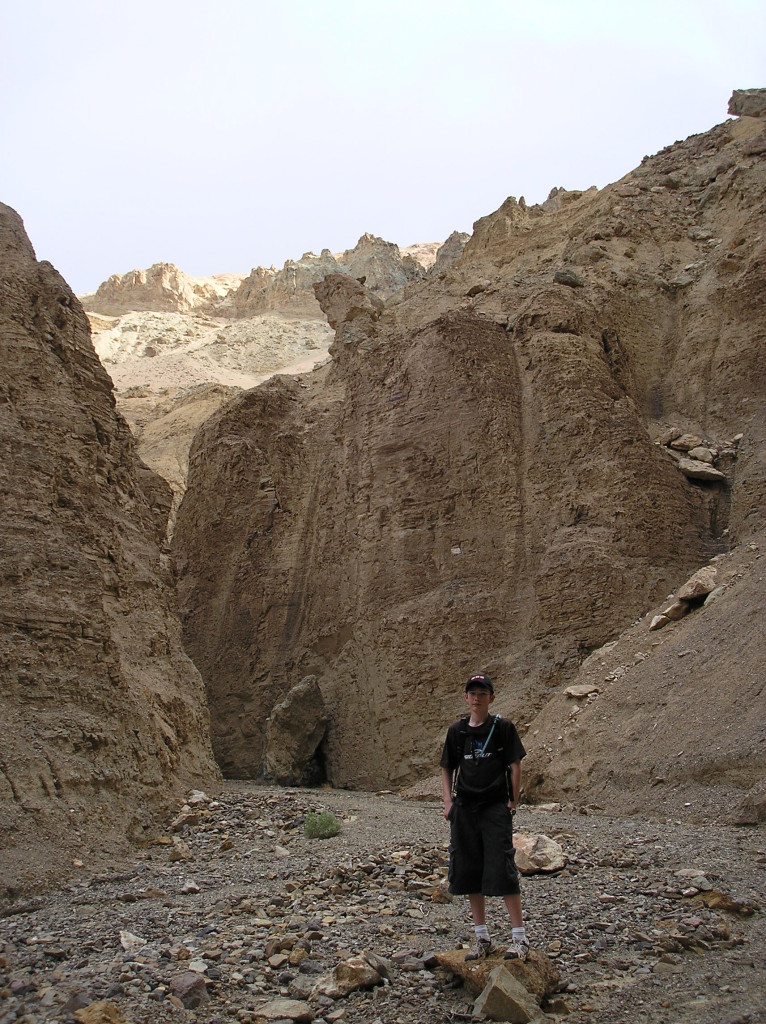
479,681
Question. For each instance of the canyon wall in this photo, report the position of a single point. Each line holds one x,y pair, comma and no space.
482,478
104,717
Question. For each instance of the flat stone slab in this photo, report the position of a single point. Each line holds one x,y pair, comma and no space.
696,470
580,690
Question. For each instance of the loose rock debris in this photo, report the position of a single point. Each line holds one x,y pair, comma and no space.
645,921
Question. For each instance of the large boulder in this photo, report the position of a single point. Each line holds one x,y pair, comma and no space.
294,731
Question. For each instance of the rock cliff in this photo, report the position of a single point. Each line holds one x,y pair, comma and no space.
162,288
175,346
104,719
481,478
172,370
384,266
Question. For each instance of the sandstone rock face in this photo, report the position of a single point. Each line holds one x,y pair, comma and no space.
371,563
474,482
289,290
163,288
104,719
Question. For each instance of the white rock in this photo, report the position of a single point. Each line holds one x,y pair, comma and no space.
346,977
537,854
129,941
677,610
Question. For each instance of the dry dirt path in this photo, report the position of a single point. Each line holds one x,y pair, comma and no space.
237,894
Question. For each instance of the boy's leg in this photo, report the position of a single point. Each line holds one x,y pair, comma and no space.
513,906
478,908
483,945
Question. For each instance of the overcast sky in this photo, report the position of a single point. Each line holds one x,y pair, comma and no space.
224,134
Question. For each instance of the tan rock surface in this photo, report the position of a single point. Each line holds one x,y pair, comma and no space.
162,287
505,999
474,481
104,719
691,695
177,347
172,370
384,266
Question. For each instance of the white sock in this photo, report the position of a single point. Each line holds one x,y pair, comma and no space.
482,932
519,934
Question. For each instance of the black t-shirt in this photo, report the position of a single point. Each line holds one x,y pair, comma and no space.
487,752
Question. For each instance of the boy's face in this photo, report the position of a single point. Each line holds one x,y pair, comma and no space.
478,698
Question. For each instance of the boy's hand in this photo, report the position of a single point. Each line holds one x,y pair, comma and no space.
447,808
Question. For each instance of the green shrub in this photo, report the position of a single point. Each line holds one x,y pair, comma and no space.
320,826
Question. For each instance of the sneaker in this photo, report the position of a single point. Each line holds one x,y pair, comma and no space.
516,951
480,950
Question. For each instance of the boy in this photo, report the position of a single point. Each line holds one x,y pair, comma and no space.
481,780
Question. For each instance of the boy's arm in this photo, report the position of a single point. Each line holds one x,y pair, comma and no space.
515,767
447,790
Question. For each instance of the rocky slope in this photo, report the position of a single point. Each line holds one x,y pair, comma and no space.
104,718
484,478
668,722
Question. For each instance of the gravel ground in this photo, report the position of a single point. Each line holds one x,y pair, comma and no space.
648,921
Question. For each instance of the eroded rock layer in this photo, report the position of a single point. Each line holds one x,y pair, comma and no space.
475,481
385,268
103,715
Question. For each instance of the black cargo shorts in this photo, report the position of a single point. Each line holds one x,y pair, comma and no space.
481,855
